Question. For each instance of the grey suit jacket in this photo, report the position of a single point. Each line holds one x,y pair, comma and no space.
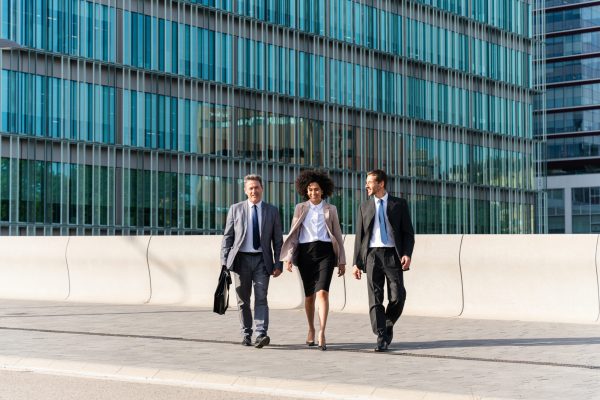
271,237
332,224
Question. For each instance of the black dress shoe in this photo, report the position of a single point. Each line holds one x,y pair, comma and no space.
381,343
310,343
262,341
389,334
247,340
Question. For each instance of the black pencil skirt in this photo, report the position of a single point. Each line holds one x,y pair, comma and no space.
316,261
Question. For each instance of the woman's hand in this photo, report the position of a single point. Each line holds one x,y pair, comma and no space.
341,269
288,266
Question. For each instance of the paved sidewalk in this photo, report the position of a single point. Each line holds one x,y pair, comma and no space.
27,385
431,358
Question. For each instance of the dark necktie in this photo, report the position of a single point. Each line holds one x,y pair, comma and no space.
382,226
255,228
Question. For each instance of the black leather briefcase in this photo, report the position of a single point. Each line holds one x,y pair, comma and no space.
222,292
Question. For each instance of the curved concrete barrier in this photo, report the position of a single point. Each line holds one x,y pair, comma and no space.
34,268
109,269
357,300
337,290
433,283
530,277
185,269
285,291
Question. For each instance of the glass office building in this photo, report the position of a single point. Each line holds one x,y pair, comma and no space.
572,109
143,116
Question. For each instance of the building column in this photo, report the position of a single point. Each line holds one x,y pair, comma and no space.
568,210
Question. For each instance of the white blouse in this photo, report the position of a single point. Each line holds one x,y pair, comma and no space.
313,226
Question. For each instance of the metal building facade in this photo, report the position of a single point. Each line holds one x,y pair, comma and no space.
143,116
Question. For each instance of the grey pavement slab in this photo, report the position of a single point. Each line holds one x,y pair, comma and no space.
19,385
430,357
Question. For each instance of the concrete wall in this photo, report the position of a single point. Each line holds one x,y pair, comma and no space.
357,300
182,272
528,277
434,283
34,268
111,269
185,269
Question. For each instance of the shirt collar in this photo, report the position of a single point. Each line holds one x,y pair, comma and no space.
384,198
318,207
258,205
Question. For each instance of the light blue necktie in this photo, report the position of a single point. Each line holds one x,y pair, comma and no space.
382,226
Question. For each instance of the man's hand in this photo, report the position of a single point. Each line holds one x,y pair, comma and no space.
288,266
276,272
405,261
341,269
356,272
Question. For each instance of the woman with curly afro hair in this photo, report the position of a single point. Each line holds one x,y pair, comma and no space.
315,245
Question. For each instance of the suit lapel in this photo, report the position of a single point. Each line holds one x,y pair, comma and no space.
389,210
326,208
244,220
305,210
369,215
263,217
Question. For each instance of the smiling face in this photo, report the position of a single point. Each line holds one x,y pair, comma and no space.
253,190
374,188
314,192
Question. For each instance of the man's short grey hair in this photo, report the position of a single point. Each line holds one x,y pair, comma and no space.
253,177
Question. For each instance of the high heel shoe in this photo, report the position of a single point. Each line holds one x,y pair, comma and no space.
322,343
311,343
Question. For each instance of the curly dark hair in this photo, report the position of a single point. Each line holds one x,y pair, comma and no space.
309,176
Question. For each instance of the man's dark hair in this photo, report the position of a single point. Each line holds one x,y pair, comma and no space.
309,176
380,176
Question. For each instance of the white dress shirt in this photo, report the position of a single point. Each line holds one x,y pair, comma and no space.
247,246
376,235
313,226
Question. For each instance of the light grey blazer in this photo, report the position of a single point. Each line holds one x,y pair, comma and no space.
271,237
332,223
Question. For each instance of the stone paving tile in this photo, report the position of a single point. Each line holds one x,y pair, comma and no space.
481,358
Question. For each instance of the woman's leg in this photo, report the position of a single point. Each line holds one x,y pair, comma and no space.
323,302
309,307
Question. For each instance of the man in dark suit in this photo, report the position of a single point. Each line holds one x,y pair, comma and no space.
383,247
250,249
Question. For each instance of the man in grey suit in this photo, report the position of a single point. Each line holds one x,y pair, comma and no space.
383,249
251,242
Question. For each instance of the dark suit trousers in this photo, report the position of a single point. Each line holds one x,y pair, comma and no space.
384,266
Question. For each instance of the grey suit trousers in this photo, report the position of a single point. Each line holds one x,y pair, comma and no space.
249,272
